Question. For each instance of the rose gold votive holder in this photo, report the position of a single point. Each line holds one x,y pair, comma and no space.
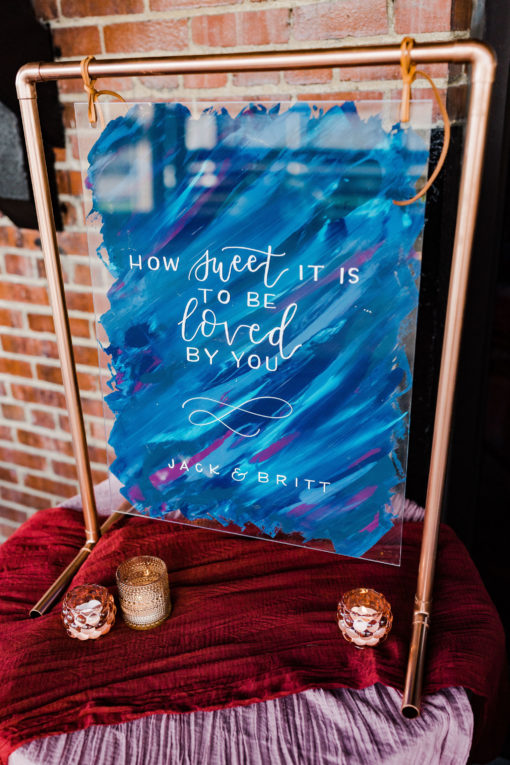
144,593
364,617
88,611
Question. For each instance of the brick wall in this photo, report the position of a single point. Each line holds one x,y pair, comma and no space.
36,462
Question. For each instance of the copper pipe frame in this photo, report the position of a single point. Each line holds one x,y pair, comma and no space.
483,64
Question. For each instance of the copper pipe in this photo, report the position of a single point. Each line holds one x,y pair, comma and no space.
458,51
483,68
54,593
42,197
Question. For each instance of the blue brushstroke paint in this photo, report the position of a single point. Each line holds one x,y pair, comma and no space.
317,186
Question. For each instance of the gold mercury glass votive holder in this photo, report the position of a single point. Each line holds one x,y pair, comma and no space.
88,611
364,617
144,593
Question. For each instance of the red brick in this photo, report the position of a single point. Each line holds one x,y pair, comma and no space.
92,407
245,79
63,423
205,80
9,475
10,318
99,475
22,498
417,16
77,41
308,76
28,238
22,459
82,275
80,328
79,301
348,95
87,356
68,470
73,8
425,94
11,513
246,28
68,114
363,73
117,84
23,293
333,21
355,74
69,214
41,270
39,322
64,469
97,430
20,265
166,5
45,443
88,382
147,36
35,395
70,86
8,236
59,153
5,433
461,14
15,367
30,346
43,419
72,242
97,455
13,412
69,182
160,82
49,374
75,149
45,10
7,531
48,486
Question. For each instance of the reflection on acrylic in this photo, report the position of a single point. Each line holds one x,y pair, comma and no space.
262,317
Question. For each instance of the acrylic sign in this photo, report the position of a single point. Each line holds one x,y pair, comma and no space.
260,315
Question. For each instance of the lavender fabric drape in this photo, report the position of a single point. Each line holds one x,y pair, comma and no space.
342,727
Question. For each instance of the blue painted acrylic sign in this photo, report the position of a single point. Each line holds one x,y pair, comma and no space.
261,316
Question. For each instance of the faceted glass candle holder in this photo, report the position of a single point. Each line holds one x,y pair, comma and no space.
364,617
88,611
144,593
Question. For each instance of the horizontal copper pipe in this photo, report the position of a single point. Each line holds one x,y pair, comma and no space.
459,51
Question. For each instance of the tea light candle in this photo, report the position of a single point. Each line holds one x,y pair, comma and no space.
144,593
364,617
88,611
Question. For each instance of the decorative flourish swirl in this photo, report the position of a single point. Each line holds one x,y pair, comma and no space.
230,408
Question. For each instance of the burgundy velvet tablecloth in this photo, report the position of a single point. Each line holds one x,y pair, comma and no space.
252,620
